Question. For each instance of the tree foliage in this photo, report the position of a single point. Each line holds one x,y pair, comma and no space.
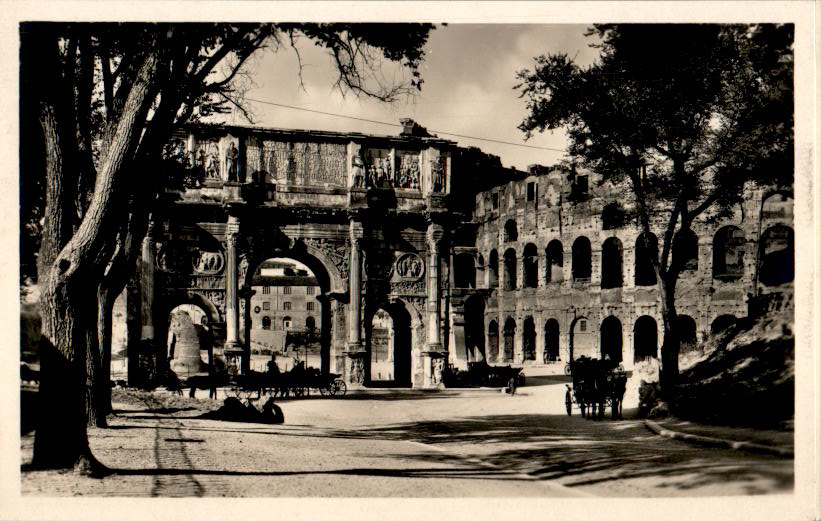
687,114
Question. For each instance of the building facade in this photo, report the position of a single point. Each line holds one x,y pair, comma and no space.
436,250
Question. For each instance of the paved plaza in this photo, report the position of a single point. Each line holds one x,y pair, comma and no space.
406,443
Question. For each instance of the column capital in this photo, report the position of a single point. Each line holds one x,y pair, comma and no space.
356,231
434,235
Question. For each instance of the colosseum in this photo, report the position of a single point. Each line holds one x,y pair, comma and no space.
460,259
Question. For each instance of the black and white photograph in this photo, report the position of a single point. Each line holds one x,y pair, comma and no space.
367,260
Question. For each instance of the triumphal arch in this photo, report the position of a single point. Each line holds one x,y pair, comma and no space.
367,214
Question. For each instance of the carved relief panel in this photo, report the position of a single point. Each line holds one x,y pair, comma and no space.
304,163
407,171
378,167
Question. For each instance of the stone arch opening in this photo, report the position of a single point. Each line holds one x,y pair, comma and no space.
551,340
646,253
722,323
728,253
611,339
581,260
529,339
687,335
531,266
554,261
776,254
492,341
288,287
465,271
511,231
611,261
509,339
510,269
189,340
389,346
645,339
493,270
475,329
582,339
685,250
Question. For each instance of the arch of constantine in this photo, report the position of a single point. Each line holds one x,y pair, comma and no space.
469,262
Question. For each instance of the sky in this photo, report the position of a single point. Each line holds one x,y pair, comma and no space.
469,72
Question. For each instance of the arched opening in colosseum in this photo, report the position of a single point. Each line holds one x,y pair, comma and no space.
531,266
510,269
554,261
685,250
722,323
475,329
529,339
465,271
493,341
493,270
389,346
581,260
611,260
509,339
776,256
511,231
728,253
646,252
189,341
645,339
611,339
777,206
613,216
583,339
687,337
551,340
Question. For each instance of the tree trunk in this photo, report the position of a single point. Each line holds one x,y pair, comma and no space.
668,375
60,439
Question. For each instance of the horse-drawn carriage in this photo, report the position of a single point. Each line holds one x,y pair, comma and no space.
597,384
297,382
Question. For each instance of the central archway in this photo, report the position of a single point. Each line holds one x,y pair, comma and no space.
389,347
310,304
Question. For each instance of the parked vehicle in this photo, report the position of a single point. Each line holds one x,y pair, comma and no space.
597,384
481,374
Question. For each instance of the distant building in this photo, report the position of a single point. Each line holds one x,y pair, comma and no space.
283,298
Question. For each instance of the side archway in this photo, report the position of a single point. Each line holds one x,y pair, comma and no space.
645,339
611,339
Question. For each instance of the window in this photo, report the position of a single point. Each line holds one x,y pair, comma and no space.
266,322
511,231
266,306
286,290
582,325
581,260
309,290
495,200
531,191
286,323
310,306
266,290
286,306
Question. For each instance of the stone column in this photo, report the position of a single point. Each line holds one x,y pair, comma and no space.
434,361
232,344
355,369
434,237
147,286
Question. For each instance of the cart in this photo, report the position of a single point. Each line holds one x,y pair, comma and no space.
597,384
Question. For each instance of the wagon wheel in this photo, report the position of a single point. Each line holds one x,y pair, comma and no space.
325,390
568,402
299,391
338,387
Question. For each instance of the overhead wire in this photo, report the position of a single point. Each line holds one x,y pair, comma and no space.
490,140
